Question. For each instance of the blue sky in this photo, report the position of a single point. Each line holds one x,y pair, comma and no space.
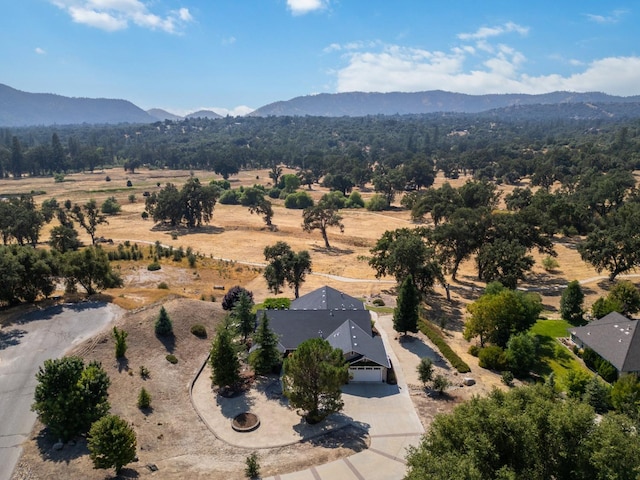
236,55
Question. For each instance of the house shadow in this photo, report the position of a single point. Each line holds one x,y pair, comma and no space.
371,390
11,338
420,349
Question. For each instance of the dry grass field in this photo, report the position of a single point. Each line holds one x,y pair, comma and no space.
172,437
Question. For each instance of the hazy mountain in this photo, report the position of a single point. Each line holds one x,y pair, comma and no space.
203,114
362,104
19,108
162,115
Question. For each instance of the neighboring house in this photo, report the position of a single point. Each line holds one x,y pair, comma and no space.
341,320
615,338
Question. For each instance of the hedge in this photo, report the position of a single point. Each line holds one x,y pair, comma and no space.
436,337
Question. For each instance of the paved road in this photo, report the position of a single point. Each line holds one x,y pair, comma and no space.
24,346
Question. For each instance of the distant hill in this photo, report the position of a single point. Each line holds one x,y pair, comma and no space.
203,114
356,104
162,115
19,108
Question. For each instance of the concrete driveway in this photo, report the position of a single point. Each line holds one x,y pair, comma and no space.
24,346
384,411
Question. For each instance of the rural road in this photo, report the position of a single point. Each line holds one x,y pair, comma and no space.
24,346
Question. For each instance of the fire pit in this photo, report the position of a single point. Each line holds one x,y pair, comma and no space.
245,422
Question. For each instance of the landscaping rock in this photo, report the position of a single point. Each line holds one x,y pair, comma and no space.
468,381
58,445
152,467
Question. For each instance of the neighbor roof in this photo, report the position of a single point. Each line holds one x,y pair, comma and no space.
615,338
327,298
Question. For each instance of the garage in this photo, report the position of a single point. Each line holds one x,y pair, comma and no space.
365,374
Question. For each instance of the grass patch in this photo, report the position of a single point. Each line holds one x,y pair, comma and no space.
382,310
553,356
436,337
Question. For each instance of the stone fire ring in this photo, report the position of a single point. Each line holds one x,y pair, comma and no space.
245,422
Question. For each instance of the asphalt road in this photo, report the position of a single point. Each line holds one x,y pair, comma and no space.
24,346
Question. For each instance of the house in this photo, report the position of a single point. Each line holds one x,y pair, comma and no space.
341,320
615,338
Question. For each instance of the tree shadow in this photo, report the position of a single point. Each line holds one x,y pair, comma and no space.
123,364
420,349
354,437
447,314
11,338
232,406
332,251
168,341
70,451
126,473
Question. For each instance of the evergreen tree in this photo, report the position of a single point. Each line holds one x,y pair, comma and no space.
164,327
425,370
111,443
224,361
571,303
245,320
120,337
405,315
266,356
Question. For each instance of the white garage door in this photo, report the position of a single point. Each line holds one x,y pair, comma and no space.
365,374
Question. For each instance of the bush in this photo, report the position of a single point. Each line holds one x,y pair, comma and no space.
378,302
129,183
549,263
171,358
355,200
111,443
507,378
278,303
229,197
132,198
144,215
110,206
120,336
474,350
252,470
232,296
163,326
440,384
152,267
274,193
144,372
493,358
144,399
298,200
163,286
107,178
192,259
436,337
199,330
377,203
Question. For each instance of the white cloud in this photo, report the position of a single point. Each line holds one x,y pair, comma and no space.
614,17
302,7
112,15
498,69
487,32
40,51
229,41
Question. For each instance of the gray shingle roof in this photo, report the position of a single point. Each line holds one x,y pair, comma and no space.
327,298
615,338
349,337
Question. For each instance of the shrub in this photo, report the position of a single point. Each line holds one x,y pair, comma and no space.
549,263
355,200
436,337
152,267
144,215
163,286
492,357
58,177
377,203
120,336
171,358
132,198
474,350
144,399
298,200
107,178
276,303
110,206
440,384
223,184
425,370
199,330
274,193
507,378
163,326
144,372
192,259
378,302
229,197
233,295
252,470
111,443
129,183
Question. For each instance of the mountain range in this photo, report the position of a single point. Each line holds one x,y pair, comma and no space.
18,108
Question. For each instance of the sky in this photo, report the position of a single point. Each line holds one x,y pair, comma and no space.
233,56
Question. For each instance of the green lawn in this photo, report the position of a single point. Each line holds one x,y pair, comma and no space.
554,357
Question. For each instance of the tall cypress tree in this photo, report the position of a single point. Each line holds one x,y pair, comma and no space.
224,361
405,315
266,356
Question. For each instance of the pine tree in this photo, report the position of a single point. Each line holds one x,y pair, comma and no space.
266,356
111,443
224,361
245,320
120,336
405,315
144,399
164,327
